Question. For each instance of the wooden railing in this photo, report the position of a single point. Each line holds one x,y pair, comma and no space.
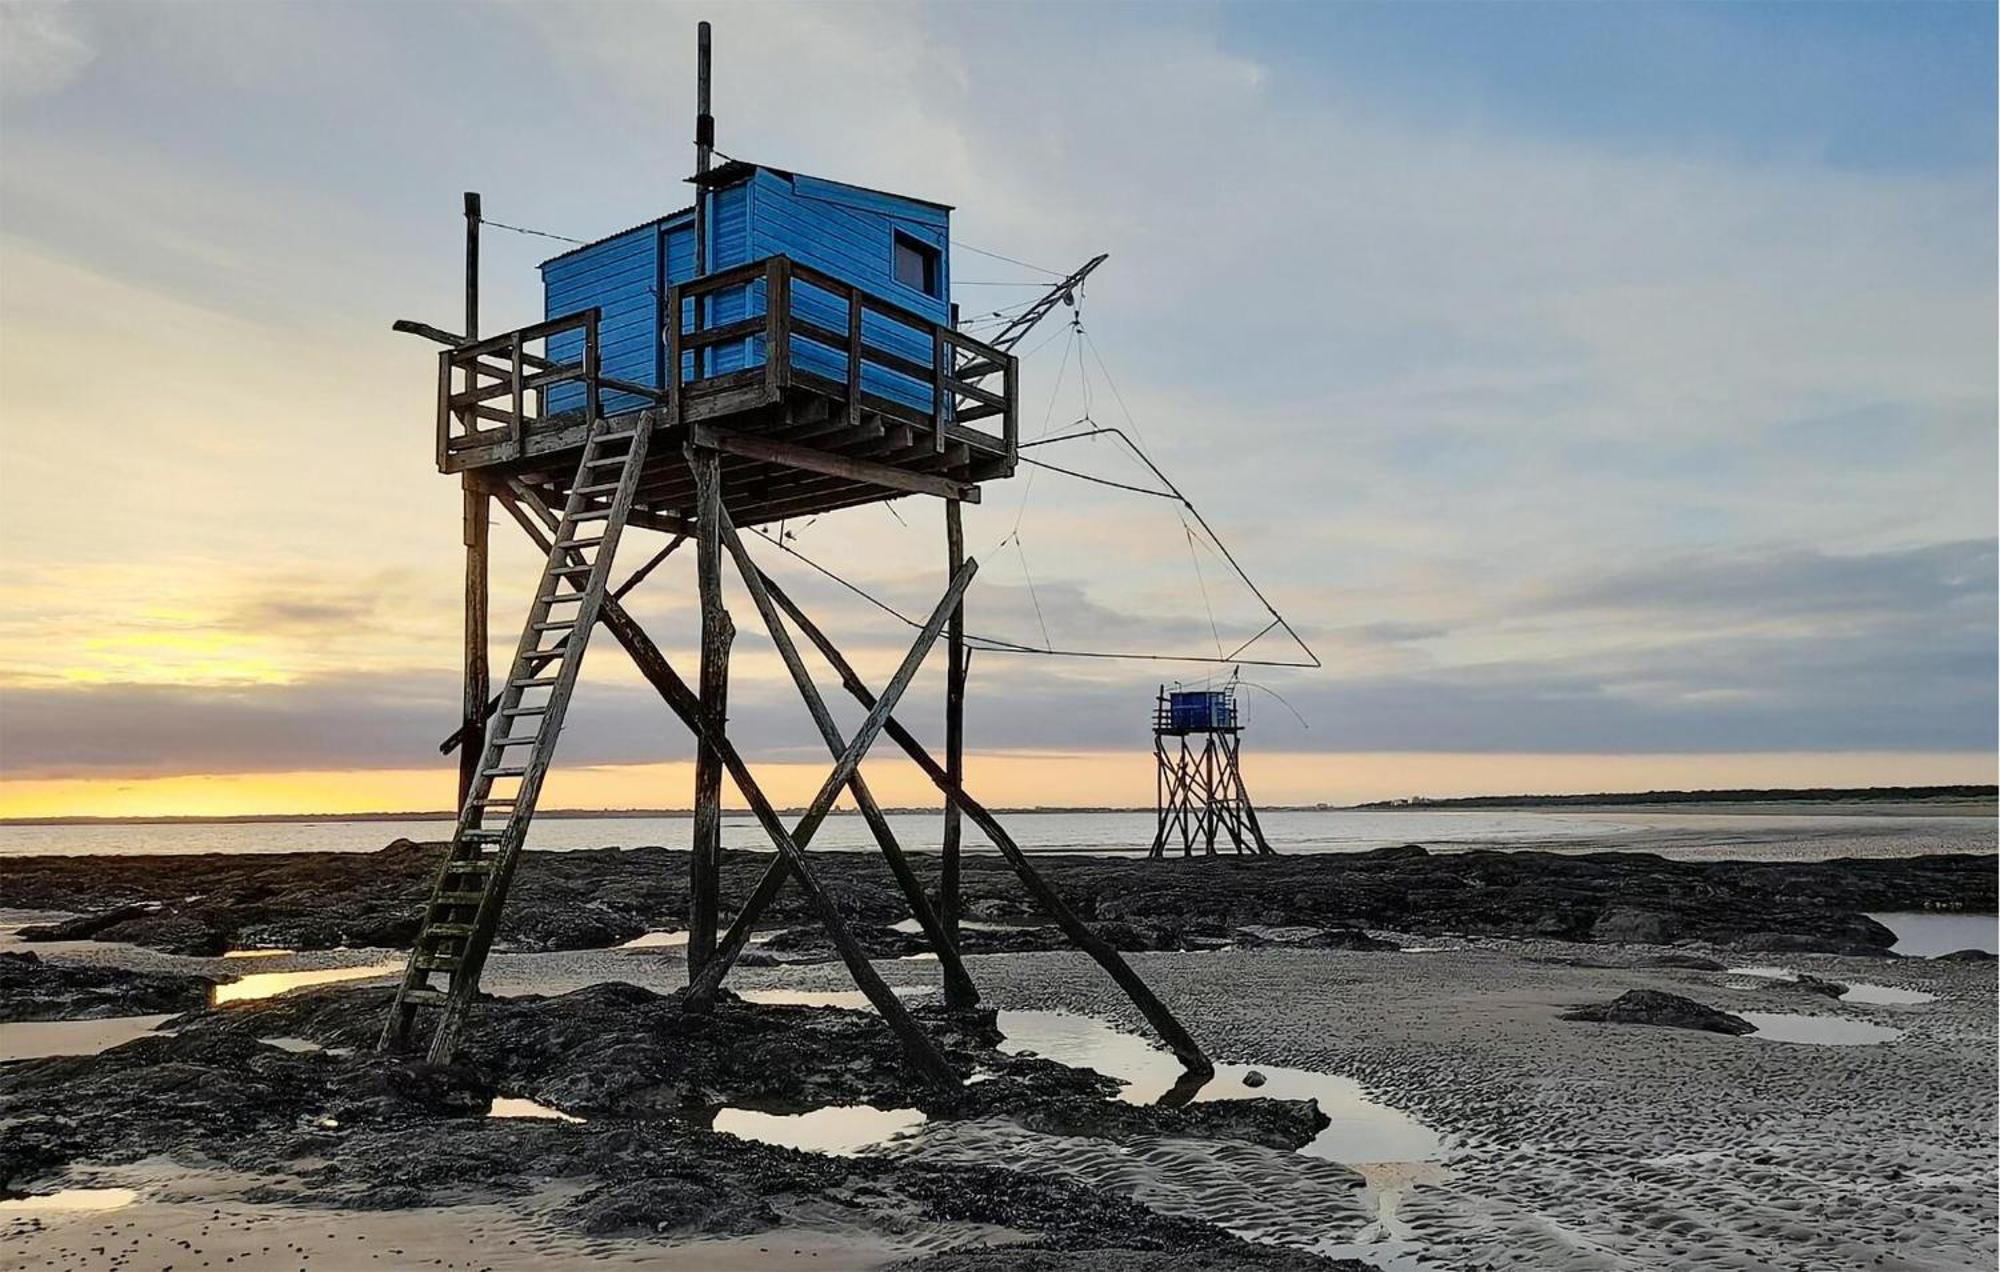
493,390
957,379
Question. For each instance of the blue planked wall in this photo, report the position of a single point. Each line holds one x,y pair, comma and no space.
841,230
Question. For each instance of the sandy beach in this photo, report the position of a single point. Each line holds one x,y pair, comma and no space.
1469,1125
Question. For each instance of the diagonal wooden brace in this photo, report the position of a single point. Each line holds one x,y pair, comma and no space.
959,988
653,664
1177,1038
703,985
452,743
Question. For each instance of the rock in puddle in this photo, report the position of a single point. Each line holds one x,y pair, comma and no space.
1656,1007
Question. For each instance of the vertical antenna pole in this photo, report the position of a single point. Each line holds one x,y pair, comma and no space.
472,219
474,534
704,149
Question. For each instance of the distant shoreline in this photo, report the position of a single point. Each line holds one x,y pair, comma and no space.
1950,801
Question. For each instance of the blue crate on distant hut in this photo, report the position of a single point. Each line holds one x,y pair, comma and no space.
1197,711
893,247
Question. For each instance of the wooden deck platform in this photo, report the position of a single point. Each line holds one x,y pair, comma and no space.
793,442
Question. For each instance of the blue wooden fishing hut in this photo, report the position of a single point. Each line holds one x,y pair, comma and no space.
815,340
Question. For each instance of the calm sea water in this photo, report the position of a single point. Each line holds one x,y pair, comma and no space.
1694,835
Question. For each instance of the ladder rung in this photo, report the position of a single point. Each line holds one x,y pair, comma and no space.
438,962
531,683
555,625
590,514
453,930
424,996
505,801
615,437
571,569
458,898
603,488
505,772
604,463
506,742
482,834
525,711
469,867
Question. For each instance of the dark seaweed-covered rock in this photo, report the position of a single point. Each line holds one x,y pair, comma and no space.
1310,938
1655,1007
1285,1124
1692,962
1971,955
1807,983
197,904
1251,1258
347,1127
645,1207
1630,925
32,989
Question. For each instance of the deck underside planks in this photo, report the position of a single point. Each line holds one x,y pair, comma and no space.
870,455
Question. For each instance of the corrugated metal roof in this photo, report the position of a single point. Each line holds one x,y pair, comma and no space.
730,172
734,170
584,247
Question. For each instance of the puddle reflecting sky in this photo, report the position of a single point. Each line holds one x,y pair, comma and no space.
656,941
1885,995
514,1106
36,1039
1360,1129
842,1130
270,984
1818,1031
1927,935
852,999
70,1201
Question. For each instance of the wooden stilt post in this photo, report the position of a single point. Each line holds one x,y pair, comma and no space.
954,744
476,512
1170,1030
717,633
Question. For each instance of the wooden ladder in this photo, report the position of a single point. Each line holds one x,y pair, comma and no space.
471,886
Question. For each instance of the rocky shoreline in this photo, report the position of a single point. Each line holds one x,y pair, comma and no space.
205,904
290,1095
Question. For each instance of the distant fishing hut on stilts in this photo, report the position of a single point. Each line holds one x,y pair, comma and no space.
783,348
1199,793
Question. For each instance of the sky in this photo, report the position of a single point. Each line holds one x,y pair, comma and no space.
1606,393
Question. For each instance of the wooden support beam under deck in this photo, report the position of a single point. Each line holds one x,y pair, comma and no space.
751,446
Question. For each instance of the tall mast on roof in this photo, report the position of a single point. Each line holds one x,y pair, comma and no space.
704,148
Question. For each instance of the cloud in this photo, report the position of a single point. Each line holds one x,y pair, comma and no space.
43,47
1541,438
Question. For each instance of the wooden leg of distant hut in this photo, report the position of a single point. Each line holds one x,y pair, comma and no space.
1170,1031
477,510
954,753
717,632
774,877
682,700
1213,779
1187,796
1159,801
958,987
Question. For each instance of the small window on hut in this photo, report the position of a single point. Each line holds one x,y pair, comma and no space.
916,264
